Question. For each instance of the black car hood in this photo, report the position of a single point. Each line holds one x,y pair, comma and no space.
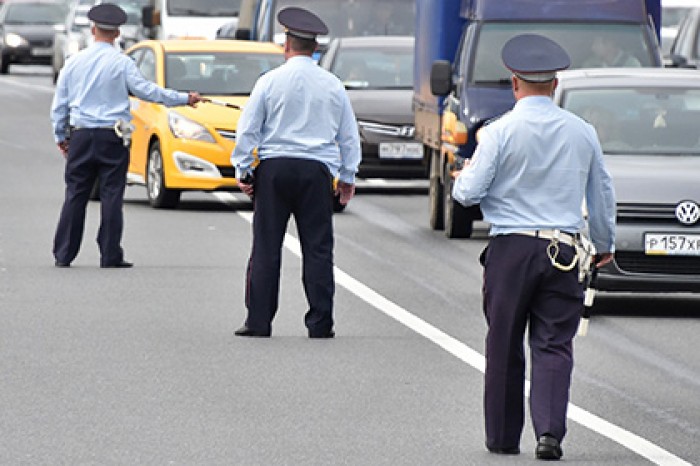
32,31
391,106
655,179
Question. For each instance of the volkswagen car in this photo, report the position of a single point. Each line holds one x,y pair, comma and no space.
648,123
183,148
378,73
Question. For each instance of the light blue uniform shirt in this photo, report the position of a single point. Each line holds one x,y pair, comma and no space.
533,168
93,88
299,110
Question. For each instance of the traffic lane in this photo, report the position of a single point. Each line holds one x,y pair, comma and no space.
602,373
450,257
140,365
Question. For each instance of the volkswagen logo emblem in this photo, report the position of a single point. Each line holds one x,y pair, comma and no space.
687,212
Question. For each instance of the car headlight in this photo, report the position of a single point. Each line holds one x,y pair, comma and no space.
14,40
185,128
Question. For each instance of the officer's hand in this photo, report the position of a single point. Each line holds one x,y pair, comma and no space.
603,259
63,147
247,188
346,191
193,98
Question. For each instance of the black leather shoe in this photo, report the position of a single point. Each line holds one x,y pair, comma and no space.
548,448
328,334
504,451
119,265
62,264
247,332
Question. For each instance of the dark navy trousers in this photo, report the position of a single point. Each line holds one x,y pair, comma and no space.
522,289
93,153
302,188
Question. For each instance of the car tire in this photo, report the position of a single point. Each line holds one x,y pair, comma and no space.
435,193
159,196
4,65
458,219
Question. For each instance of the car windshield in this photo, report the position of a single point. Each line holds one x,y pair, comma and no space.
132,8
642,120
35,13
217,73
375,68
588,45
351,18
203,7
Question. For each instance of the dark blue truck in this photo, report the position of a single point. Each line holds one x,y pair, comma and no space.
460,81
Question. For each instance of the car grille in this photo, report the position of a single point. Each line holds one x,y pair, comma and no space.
638,262
643,213
41,42
230,135
406,131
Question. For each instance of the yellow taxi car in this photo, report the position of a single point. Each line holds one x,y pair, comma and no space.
183,148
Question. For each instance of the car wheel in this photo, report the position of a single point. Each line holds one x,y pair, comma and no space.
158,195
458,221
436,193
4,65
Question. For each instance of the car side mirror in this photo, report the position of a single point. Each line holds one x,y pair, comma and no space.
679,61
147,16
441,77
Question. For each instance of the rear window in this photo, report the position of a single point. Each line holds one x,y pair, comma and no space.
217,73
588,45
642,120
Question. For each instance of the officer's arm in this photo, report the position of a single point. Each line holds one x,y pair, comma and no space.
150,91
348,139
60,112
474,180
248,132
600,201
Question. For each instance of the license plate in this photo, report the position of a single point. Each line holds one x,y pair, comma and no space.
42,51
400,150
671,244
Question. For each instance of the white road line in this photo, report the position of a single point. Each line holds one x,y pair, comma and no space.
633,442
34,87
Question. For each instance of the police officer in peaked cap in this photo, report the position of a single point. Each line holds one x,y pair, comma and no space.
300,120
90,116
530,173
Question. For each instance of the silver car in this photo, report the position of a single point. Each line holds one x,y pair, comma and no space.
648,122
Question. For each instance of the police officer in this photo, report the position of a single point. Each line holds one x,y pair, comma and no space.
300,120
92,96
531,171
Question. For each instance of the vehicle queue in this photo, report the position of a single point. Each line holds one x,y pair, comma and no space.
672,141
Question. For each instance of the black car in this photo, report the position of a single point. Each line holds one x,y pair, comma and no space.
378,73
27,30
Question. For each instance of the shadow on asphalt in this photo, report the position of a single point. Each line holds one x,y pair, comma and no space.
647,305
199,205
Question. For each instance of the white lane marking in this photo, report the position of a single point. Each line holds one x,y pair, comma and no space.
633,442
35,87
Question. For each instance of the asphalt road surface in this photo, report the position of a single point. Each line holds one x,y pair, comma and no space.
140,366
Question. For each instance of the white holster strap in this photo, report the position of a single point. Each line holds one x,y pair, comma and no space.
555,237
